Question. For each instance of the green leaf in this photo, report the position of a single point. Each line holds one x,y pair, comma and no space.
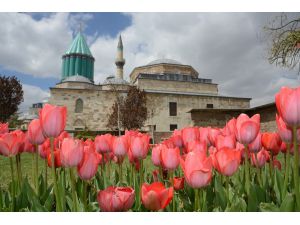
220,193
278,185
252,199
268,207
288,204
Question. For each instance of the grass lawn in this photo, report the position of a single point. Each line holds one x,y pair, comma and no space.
26,165
26,168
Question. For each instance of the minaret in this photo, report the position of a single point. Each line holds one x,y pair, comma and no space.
120,61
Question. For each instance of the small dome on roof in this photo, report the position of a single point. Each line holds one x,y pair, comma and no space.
114,80
165,61
77,78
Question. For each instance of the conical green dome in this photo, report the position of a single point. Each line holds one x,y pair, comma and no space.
78,60
79,46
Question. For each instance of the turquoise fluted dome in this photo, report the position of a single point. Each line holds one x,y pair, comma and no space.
78,60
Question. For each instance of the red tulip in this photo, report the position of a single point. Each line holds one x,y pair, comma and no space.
58,141
247,128
57,161
103,143
35,133
276,164
225,141
189,134
140,146
288,105
120,145
4,128
156,196
71,152
197,169
27,146
178,183
284,132
53,120
271,142
89,164
116,199
255,145
9,144
262,157
155,156
170,158
226,161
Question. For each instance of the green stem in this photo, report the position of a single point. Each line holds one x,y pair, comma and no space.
13,183
120,173
258,171
84,195
287,170
46,175
36,169
227,189
141,182
247,175
296,168
73,187
19,172
57,198
174,195
271,169
196,200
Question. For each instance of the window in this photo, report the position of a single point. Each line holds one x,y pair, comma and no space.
210,106
173,127
173,108
79,106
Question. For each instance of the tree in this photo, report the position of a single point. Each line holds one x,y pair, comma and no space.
285,36
132,110
11,95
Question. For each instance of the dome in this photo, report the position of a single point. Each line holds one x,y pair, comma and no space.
114,80
165,61
77,78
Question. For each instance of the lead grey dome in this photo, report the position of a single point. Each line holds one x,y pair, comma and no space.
77,78
114,80
164,61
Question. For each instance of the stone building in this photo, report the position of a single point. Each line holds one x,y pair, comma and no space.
173,91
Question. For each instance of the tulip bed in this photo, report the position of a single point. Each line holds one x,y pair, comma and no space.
233,168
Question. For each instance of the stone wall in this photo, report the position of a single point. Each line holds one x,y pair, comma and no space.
178,86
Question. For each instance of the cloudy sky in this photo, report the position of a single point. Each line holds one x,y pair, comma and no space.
230,48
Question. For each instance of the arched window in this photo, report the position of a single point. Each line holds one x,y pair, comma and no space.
79,106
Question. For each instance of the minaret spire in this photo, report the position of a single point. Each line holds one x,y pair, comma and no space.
120,61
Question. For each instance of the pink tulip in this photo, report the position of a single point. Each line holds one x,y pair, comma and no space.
262,157
255,145
116,199
140,146
197,169
189,134
204,135
4,128
120,145
170,158
178,183
247,128
226,161
155,155
35,133
196,146
177,138
88,166
53,120
27,146
44,149
212,135
103,143
230,127
9,144
288,105
225,141
71,152
156,196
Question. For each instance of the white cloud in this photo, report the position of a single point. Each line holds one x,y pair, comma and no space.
230,48
227,47
32,94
